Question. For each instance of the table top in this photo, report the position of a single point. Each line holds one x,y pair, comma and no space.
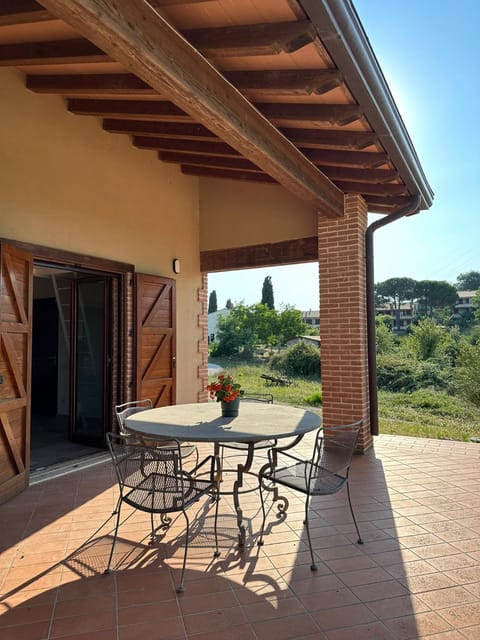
203,422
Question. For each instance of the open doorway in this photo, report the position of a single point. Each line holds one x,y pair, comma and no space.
72,373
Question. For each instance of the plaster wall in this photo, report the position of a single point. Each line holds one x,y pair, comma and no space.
67,184
230,212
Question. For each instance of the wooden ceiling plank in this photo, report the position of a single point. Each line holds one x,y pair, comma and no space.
140,39
182,130
54,52
252,39
373,189
373,176
22,12
187,146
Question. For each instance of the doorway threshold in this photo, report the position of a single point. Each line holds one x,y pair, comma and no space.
56,470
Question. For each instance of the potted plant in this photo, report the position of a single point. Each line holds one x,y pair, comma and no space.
228,392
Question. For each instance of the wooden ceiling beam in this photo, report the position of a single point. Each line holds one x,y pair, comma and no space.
334,114
22,12
170,3
126,109
261,255
329,138
141,39
354,159
252,39
229,174
182,130
277,83
219,162
373,189
188,146
44,53
373,176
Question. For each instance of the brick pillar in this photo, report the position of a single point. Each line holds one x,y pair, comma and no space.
202,295
343,323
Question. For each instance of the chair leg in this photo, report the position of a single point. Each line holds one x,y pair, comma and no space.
118,509
313,566
181,586
359,540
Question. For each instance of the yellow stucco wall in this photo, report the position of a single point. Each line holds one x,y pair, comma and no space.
237,214
65,183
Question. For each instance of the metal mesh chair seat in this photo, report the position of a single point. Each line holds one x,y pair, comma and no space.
152,479
306,478
325,473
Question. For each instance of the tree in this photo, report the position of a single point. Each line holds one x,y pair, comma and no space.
229,304
212,302
425,340
290,324
396,291
435,294
267,293
385,340
469,281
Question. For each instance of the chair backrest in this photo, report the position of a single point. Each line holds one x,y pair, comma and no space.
155,474
257,397
123,411
334,450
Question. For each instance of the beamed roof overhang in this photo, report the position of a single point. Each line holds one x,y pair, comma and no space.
284,91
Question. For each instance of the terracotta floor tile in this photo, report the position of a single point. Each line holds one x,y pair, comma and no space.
464,615
398,606
348,616
219,619
369,631
418,625
289,628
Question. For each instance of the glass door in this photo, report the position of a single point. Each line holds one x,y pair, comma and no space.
91,353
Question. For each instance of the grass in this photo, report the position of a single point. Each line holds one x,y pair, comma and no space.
425,413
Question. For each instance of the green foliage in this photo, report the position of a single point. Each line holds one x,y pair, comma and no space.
267,293
385,340
314,399
468,373
290,324
402,374
426,340
469,281
396,291
435,294
229,304
212,302
300,359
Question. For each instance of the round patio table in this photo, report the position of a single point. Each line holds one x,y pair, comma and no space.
203,422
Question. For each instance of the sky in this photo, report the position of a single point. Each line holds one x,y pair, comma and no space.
429,52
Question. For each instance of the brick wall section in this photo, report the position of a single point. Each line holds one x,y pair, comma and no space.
343,323
203,342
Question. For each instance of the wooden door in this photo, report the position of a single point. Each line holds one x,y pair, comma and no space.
16,295
155,339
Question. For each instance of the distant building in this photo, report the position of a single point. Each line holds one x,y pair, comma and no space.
407,313
464,304
311,318
212,323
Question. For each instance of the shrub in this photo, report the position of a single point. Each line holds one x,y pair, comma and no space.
397,373
314,399
300,359
468,373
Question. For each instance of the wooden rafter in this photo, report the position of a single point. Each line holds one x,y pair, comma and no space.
202,147
45,53
230,174
140,39
278,83
182,130
21,12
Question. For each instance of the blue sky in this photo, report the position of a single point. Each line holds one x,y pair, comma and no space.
429,52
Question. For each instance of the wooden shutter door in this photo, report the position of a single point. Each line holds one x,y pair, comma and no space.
155,339
16,295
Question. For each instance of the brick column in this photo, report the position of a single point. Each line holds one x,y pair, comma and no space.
343,323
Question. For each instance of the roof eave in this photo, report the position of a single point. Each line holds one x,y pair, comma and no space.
342,34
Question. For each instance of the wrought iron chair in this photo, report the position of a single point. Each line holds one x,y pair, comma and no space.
127,409
325,473
153,480
264,444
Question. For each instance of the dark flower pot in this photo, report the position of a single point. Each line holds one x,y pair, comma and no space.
230,409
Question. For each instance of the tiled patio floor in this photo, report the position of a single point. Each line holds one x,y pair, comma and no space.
416,576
